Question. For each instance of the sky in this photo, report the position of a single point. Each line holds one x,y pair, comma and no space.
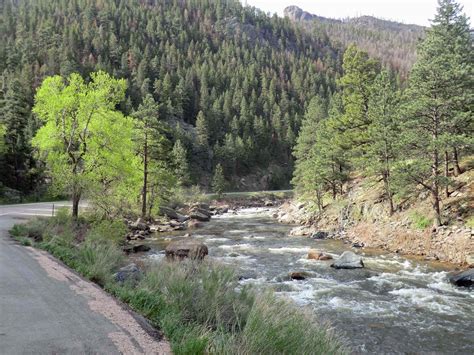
407,11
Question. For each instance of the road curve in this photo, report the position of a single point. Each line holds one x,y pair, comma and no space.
45,308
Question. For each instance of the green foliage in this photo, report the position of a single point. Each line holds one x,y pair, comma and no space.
85,142
470,222
439,100
107,231
97,261
180,163
218,181
420,221
250,75
398,138
201,309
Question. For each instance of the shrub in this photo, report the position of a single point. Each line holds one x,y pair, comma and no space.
420,221
108,231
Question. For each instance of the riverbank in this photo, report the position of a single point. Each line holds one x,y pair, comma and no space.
387,299
361,218
200,306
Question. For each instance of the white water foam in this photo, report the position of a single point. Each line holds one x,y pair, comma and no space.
289,250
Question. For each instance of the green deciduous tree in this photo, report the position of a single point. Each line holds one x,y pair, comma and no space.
85,141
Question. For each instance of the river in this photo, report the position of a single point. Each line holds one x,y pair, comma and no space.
393,305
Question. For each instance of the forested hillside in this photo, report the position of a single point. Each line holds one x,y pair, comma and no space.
410,139
232,84
392,42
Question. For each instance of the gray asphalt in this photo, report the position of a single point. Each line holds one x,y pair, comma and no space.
40,314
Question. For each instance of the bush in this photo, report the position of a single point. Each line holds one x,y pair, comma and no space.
108,231
420,221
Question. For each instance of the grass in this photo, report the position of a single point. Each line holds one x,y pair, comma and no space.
200,306
420,221
470,222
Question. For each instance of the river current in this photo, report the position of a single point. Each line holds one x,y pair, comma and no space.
393,305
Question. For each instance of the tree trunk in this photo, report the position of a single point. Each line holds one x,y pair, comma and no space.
446,172
386,182
457,168
76,197
145,175
435,185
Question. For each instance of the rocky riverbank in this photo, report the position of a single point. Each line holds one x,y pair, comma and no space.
454,244
188,218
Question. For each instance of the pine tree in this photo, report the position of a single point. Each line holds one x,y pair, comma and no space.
439,98
202,131
180,162
383,133
218,181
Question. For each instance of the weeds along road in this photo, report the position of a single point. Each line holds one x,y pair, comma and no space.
45,308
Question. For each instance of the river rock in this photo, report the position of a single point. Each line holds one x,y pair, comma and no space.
200,216
139,224
172,214
298,275
314,254
465,278
300,231
129,272
136,248
181,249
319,235
348,260
193,223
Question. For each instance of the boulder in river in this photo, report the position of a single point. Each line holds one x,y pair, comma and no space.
319,235
464,278
181,249
314,254
136,248
129,272
172,214
348,260
194,223
199,216
298,275
300,231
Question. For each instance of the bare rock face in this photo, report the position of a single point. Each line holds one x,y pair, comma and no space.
182,249
348,260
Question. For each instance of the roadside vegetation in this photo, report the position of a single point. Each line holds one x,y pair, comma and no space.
200,306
